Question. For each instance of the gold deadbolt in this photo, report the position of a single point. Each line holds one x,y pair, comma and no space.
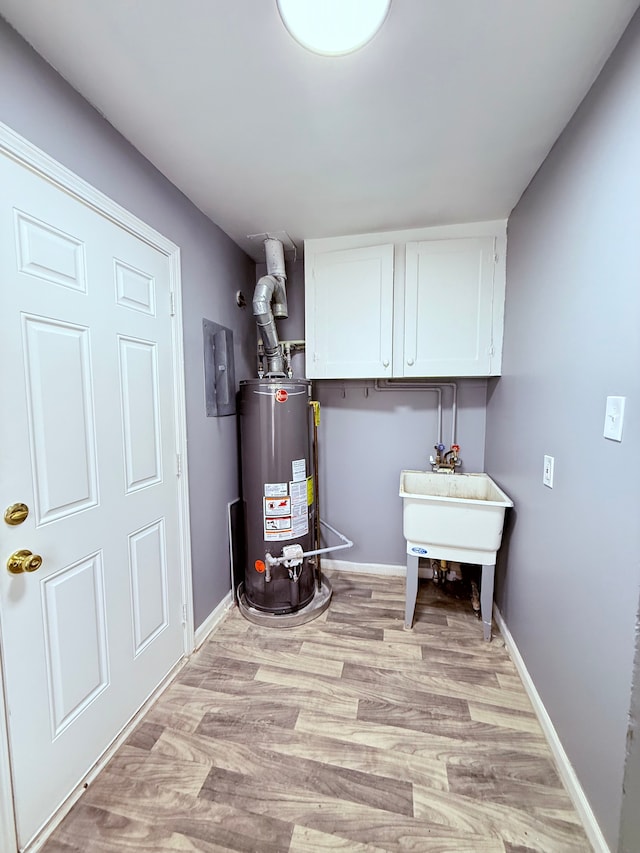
23,561
16,514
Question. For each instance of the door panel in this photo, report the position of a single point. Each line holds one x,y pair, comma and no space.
148,570
140,415
47,253
76,644
89,444
134,289
60,417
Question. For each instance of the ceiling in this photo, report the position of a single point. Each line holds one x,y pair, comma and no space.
444,117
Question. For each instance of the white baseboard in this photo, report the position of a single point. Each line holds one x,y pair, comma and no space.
563,764
363,568
389,569
213,620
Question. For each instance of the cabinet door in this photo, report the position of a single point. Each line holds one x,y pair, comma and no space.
349,312
448,313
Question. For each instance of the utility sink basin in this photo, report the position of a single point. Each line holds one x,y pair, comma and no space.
452,516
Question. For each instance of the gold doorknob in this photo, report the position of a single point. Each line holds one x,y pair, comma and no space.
23,561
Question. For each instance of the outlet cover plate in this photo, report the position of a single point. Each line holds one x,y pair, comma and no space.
547,472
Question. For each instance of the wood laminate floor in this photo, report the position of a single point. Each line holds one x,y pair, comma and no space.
347,734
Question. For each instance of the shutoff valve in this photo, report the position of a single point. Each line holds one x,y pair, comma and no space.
292,555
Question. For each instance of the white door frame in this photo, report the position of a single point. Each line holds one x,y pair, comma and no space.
26,154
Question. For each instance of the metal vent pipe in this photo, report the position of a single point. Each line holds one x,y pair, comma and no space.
271,288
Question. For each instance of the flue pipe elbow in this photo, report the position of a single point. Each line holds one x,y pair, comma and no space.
265,321
279,306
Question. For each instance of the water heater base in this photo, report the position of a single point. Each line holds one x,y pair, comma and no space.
312,610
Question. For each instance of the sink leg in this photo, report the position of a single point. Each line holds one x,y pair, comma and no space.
411,590
486,599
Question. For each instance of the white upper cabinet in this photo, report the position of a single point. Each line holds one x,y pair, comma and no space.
422,303
349,312
448,308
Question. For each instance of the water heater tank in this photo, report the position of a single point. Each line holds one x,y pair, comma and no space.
277,488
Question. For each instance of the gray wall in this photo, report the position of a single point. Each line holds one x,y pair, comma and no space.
568,589
367,437
39,105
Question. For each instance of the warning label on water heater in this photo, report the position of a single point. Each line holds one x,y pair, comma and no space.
278,527
277,506
277,513
299,470
299,512
276,489
285,510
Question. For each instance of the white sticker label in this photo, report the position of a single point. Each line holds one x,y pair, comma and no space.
277,528
298,470
300,525
277,506
278,524
275,490
299,508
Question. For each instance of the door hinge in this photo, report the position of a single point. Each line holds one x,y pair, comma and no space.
178,465
184,614
172,302
492,350
496,258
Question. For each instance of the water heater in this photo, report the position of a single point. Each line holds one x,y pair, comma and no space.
278,492
283,584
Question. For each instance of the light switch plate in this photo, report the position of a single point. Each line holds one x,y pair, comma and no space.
547,471
614,418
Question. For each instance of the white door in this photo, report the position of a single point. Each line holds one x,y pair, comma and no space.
88,443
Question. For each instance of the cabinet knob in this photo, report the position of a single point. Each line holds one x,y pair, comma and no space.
385,363
410,362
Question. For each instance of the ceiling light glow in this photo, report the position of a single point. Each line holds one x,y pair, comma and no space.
333,27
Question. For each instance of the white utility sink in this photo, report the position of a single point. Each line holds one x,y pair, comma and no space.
452,517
